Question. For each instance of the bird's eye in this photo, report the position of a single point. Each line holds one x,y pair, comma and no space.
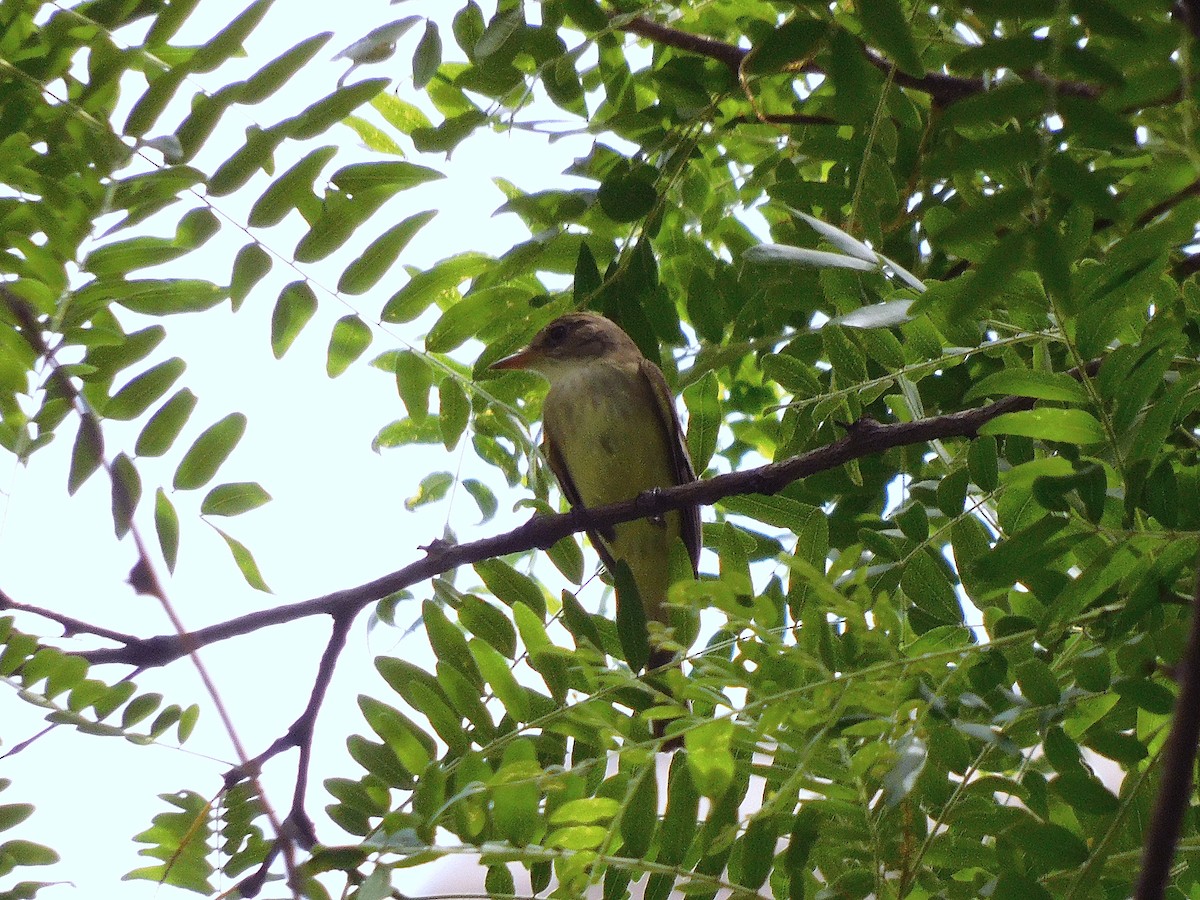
557,333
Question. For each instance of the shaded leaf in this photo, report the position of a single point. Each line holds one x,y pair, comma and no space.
208,452
350,338
234,499
296,305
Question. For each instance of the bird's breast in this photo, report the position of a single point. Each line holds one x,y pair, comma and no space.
606,427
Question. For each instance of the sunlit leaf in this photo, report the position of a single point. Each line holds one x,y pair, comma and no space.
245,562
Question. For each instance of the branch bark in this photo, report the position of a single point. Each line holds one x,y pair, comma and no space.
943,89
1179,757
863,438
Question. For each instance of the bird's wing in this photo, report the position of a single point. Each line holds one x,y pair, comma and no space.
681,462
566,484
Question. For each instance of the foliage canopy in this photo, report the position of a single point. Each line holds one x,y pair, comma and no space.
915,660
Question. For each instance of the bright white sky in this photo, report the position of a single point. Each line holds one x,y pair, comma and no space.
337,518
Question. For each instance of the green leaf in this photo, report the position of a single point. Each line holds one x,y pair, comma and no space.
331,110
709,758
208,452
126,493
162,297
587,14
433,487
393,176
434,285
1070,426
341,214
400,114
245,562
139,709
777,510
350,339
403,432
187,722
703,402
510,586
412,746
926,582
27,853
789,373
115,260
516,796
164,720
254,156
87,454
885,23
164,426
291,190
1085,793
428,55
373,137
448,643
627,195
13,814
1146,694
1038,682
641,815
567,556
983,463
275,74
296,305
139,392
585,811
632,630
234,499
468,27
364,273
414,379
503,27
495,671
166,524
484,498
485,621
474,314
454,411
1029,383
250,266
847,360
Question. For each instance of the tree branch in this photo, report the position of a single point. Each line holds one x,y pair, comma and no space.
1179,756
863,438
943,89
1188,13
70,625
300,735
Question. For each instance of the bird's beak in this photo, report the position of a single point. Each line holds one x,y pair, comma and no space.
522,359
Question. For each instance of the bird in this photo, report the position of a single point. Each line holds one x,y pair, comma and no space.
610,433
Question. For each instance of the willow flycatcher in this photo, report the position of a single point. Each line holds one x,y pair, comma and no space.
611,432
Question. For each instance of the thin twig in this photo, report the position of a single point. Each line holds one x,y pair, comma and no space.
71,626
